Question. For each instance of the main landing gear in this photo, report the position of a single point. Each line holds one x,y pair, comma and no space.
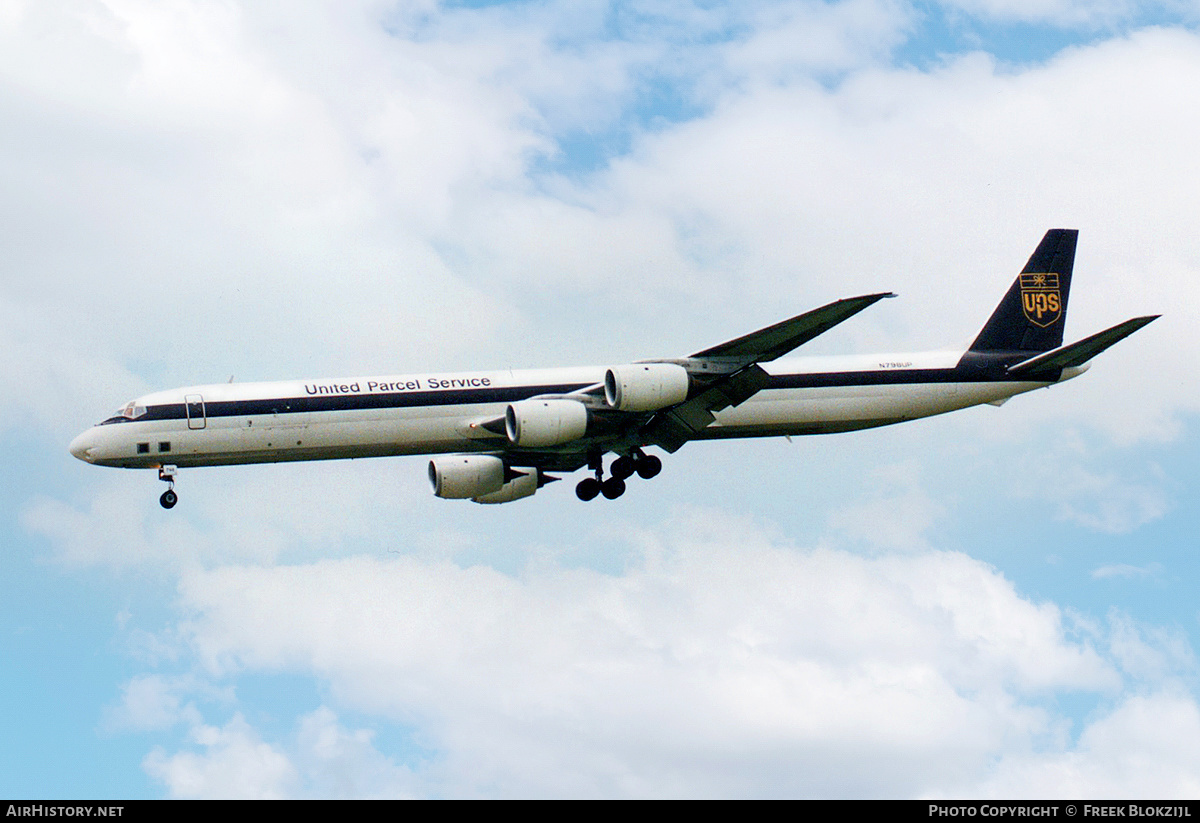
169,498
624,467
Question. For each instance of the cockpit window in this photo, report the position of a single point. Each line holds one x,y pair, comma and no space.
131,411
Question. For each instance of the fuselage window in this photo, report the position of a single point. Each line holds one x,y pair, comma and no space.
143,448
164,446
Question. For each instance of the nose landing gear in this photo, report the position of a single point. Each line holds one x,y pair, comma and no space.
622,468
169,498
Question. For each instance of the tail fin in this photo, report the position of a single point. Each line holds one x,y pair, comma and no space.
1032,315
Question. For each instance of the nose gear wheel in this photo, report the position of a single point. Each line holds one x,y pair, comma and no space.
169,498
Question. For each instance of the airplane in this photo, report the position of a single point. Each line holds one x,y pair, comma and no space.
498,435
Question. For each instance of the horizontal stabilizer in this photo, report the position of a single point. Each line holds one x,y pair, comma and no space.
775,341
1079,353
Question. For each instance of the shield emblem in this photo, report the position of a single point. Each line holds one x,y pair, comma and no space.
1040,298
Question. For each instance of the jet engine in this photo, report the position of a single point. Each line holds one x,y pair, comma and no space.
459,476
645,386
545,422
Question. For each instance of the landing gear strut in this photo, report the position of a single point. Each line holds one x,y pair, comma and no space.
622,468
169,498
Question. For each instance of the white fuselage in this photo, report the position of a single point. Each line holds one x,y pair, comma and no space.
412,414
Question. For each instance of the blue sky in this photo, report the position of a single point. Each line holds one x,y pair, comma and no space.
993,603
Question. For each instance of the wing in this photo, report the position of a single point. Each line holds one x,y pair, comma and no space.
729,374
721,376
775,341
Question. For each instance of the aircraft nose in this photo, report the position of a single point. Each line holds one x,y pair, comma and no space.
83,445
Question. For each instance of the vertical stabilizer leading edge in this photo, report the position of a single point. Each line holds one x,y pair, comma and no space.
1031,316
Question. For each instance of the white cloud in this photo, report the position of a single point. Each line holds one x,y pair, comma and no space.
1105,501
1120,507
1146,747
897,516
235,764
151,702
793,41
725,665
242,515
147,703
1126,570
1066,13
1148,653
41,362
322,759
167,214
337,762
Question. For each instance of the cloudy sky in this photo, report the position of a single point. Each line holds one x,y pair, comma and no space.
999,602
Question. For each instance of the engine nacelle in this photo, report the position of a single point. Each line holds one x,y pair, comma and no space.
645,386
461,476
523,485
545,422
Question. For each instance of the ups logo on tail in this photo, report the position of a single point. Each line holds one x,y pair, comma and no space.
1040,299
